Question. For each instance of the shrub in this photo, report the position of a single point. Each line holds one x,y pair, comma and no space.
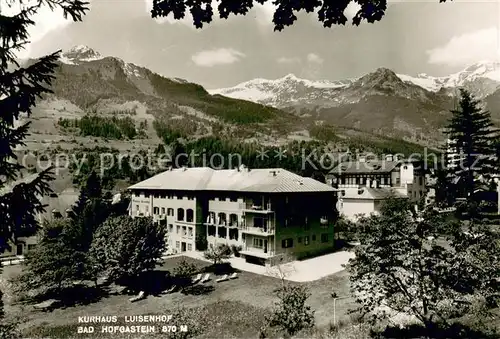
183,273
217,254
292,314
236,250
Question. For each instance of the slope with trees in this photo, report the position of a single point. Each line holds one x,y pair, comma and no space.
114,127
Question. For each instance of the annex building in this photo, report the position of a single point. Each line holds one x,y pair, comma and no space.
365,184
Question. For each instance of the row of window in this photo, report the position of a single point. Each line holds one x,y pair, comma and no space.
232,199
363,180
306,225
167,196
178,246
288,243
172,196
222,218
355,180
222,232
186,231
187,215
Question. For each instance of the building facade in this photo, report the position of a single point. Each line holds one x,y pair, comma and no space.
269,214
363,185
454,154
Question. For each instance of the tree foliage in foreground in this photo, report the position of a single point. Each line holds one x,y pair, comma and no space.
123,247
54,263
292,314
62,253
20,87
423,265
330,13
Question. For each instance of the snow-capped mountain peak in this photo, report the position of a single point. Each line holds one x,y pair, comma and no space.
286,88
484,74
78,54
290,76
481,78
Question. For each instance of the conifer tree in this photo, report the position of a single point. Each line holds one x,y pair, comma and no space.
473,137
89,212
20,87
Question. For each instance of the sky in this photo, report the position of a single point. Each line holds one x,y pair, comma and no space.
414,37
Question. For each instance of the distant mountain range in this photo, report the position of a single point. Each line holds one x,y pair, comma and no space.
86,81
482,78
381,101
379,105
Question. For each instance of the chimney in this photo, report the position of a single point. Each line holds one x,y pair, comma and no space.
273,172
389,157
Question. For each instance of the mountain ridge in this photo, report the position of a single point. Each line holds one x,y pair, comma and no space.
381,101
485,69
378,103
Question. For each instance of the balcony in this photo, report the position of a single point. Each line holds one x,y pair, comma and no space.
256,252
217,222
257,208
264,231
142,214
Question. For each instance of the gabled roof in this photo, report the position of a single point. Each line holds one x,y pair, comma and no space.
272,180
361,167
371,193
64,201
10,186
